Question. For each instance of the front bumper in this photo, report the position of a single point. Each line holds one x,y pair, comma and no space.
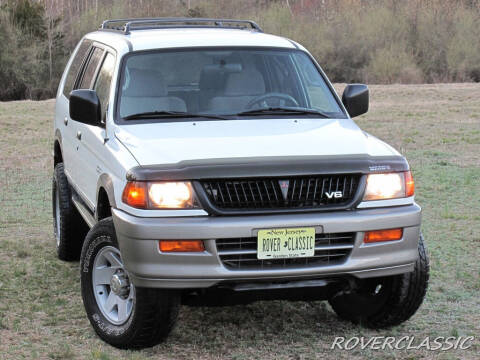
148,267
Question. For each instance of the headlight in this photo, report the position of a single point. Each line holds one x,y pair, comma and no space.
159,195
389,186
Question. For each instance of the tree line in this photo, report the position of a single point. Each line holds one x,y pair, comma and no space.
372,41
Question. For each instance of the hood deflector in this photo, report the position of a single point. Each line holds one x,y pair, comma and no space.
268,166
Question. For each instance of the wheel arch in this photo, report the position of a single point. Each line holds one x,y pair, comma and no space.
105,197
57,148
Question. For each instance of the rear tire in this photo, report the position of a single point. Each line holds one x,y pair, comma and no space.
69,228
388,301
150,314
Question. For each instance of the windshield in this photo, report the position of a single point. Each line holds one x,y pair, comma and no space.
226,83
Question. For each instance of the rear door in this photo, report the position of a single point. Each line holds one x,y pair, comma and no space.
63,121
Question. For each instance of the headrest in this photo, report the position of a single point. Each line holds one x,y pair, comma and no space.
144,83
247,82
212,76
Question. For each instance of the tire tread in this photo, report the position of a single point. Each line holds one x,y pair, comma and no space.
72,226
156,310
407,294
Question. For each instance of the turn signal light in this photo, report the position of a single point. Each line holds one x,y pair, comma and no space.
409,184
181,246
135,194
382,235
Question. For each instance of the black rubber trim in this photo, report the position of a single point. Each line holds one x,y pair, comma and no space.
293,43
268,167
79,198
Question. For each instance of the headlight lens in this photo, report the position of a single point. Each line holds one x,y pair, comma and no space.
159,195
171,195
389,186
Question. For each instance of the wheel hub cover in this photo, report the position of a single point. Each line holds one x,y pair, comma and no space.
119,285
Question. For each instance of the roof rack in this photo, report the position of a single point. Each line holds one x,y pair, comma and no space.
125,26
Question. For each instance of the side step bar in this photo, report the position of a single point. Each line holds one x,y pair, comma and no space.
83,210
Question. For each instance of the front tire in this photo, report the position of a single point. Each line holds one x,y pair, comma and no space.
388,301
123,315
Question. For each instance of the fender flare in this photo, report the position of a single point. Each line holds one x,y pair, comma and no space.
57,138
105,181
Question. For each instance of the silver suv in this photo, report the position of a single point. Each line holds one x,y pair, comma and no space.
201,161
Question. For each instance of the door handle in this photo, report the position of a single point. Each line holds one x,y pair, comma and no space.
79,135
65,121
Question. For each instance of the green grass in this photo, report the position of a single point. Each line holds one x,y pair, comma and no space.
41,312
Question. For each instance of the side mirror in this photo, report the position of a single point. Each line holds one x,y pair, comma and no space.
85,107
355,99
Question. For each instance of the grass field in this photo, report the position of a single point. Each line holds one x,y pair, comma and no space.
41,313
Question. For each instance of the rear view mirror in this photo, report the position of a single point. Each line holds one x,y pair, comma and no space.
85,107
226,68
355,98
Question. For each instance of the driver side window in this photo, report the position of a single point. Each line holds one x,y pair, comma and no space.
91,69
103,82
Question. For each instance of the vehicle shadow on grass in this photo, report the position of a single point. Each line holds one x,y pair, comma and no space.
288,325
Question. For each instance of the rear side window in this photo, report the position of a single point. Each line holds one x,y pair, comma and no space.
104,79
75,67
91,69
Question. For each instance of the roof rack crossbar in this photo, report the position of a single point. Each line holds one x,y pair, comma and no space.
127,25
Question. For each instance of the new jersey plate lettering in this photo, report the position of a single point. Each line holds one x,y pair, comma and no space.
286,243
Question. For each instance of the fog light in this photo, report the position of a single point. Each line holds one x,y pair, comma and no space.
382,235
181,246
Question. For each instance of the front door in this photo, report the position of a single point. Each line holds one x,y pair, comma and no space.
82,164
92,149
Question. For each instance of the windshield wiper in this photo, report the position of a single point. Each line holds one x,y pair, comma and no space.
170,114
283,110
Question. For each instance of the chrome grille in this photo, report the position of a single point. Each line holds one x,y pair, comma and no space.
241,253
282,193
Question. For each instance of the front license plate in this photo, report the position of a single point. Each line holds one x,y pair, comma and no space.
286,243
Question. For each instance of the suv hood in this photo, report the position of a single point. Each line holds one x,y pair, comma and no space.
173,142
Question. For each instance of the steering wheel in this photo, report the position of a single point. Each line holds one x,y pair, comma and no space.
272,95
